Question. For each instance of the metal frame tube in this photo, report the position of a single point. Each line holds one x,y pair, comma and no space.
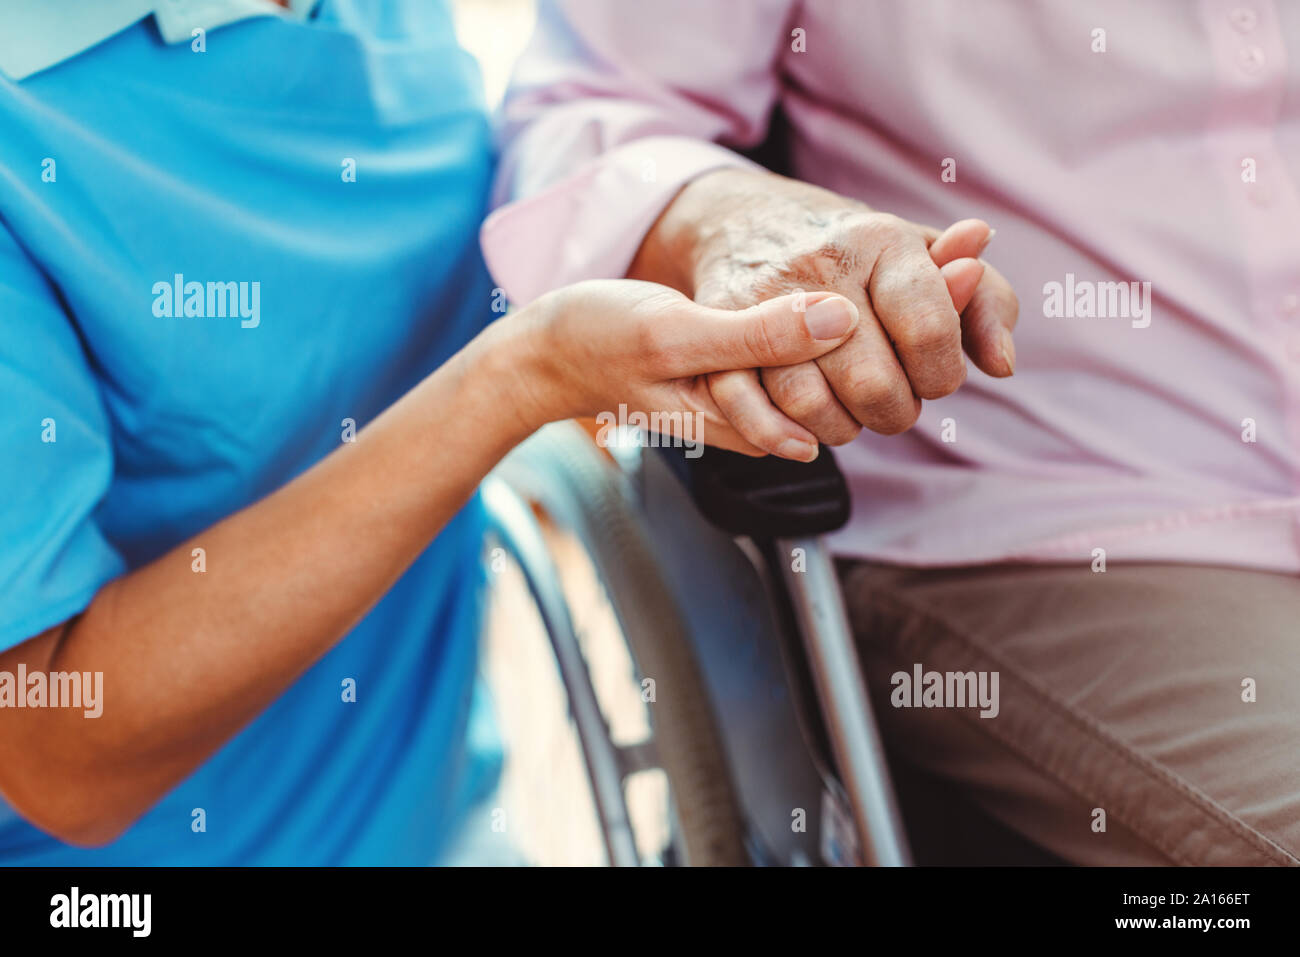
516,528
832,657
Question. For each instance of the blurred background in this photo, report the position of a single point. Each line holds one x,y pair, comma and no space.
495,31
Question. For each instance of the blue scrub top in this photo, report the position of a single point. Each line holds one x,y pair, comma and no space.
231,166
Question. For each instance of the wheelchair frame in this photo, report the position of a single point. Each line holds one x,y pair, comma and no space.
788,636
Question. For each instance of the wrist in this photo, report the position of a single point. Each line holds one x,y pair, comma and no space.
512,358
677,243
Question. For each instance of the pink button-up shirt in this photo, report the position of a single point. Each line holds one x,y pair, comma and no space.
1109,142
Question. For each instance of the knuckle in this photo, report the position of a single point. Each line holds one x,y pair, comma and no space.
798,390
729,391
761,343
931,331
843,253
809,400
860,239
840,432
942,382
898,420
802,402
884,402
872,390
875,229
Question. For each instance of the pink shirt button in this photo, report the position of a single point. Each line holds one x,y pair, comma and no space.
1244,19
1251,59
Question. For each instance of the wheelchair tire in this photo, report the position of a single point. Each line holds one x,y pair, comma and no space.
589,495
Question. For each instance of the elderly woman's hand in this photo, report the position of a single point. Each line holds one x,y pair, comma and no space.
734,237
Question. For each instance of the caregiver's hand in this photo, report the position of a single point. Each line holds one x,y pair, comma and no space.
189,659
735,237
597,344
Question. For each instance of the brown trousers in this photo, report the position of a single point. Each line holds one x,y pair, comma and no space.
1125,730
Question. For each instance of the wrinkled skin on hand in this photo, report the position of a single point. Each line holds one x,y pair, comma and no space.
734,237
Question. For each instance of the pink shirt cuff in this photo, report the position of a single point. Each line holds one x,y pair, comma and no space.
590,224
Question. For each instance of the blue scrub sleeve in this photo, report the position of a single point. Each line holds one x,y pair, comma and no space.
57,458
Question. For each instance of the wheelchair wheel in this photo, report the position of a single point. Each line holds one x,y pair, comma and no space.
561,473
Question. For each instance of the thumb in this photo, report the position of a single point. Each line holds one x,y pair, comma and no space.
778,332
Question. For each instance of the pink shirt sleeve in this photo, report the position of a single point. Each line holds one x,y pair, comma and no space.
611,110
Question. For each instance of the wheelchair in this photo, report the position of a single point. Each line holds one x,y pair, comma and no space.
729,605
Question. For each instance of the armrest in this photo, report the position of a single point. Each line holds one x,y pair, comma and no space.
764,498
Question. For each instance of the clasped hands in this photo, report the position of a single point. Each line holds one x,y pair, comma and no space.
779,313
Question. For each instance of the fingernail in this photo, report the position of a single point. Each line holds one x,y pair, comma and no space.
987,239
830,318
797,448
1009,351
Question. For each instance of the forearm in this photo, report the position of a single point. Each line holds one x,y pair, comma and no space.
189,658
